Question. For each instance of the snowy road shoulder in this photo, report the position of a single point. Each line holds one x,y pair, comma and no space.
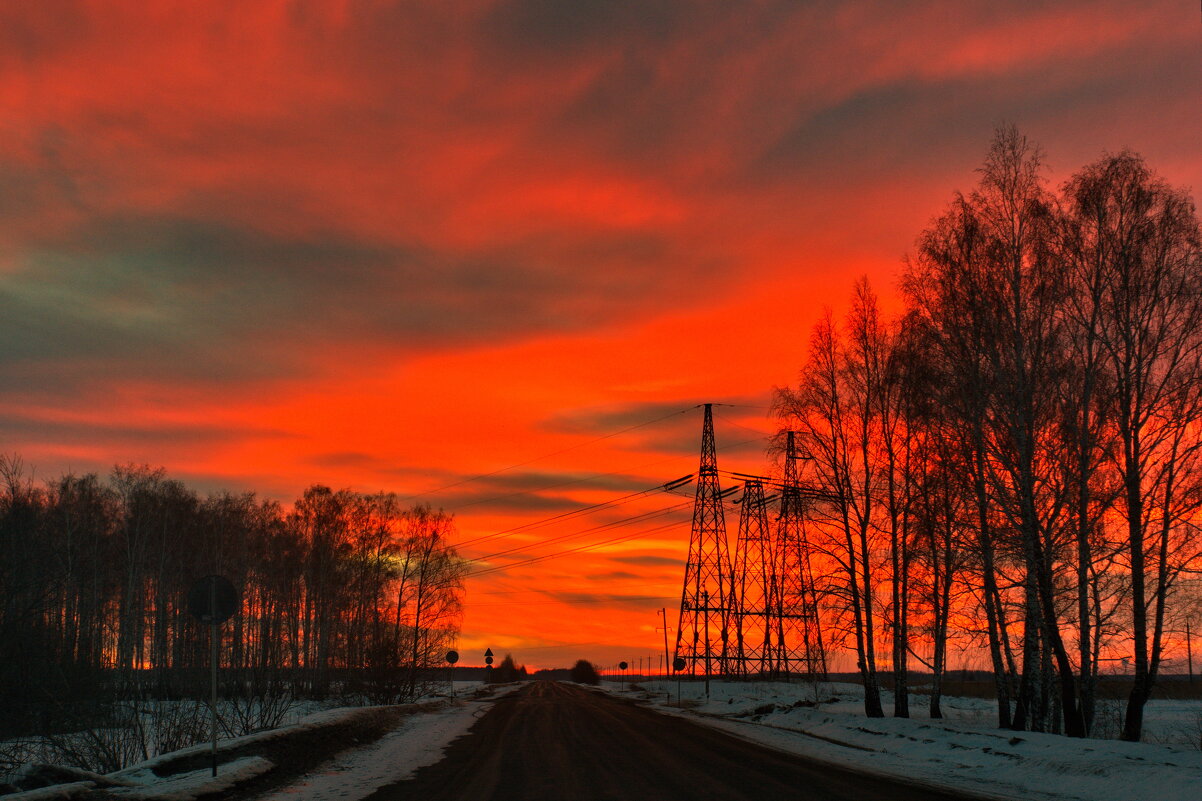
957,755
191,784
418,741
295,761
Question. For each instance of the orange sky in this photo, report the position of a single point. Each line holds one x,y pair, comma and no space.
396,245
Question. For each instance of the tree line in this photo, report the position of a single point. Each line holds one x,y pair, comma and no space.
343,593
1013,460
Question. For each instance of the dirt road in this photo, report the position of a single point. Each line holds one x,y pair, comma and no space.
559,741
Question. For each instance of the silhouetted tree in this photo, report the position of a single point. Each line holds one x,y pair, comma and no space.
583,672
507,671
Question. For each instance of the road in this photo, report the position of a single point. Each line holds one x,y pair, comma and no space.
552,740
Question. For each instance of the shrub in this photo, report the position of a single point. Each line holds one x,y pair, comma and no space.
583,672
508,671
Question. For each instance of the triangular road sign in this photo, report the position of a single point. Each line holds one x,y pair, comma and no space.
488,652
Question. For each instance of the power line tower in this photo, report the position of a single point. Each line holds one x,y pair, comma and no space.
754,600
799,635
704,630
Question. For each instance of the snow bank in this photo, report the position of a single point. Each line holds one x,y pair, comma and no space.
417,742
55,793
192,784
826,722
313,720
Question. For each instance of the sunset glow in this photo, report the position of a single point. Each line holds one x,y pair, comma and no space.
447,249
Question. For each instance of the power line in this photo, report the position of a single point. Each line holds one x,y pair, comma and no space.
546,455
580,549
740,425
586,547
641,517
669,486
582,601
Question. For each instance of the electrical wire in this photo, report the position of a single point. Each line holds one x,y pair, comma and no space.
546,521
740,425
639,518
580,549
622,599
546,455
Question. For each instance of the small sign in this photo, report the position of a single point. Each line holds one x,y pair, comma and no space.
488,652
679,664
488,660
622,666
452,657
213,599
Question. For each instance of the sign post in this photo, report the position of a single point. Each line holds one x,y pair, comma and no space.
452,658
213,600
678,665
664,614
487,665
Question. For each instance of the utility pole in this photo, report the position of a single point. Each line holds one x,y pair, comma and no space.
663,613
705,597
753,599
799,629
1189,651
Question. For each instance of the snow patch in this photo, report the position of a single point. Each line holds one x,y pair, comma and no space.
418,741
961,752
192,784
58,791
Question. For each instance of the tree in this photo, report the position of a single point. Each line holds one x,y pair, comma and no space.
507,671
1138,244
583,672
839,408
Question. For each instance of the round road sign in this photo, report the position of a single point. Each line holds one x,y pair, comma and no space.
679,664
488,660
213,599
452,656
622,666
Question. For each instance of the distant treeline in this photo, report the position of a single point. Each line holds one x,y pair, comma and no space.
342,593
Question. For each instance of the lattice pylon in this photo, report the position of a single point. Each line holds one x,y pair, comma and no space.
703,634
798,631
754,600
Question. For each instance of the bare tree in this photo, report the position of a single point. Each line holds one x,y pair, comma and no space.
836,408
1139,240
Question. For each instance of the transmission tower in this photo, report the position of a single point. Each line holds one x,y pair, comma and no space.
703,633
754,600
798,633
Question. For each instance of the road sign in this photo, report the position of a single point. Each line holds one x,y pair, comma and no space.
213,599
488,660
452,656
622,666
679,664
488,652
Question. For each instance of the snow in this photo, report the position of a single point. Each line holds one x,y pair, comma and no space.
58,791
417,742
420,740
192,784
961,752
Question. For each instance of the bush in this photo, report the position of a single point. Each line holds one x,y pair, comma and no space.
507,671
583,672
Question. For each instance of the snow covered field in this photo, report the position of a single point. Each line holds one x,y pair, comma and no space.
962,751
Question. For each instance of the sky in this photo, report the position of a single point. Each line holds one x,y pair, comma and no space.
452,249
